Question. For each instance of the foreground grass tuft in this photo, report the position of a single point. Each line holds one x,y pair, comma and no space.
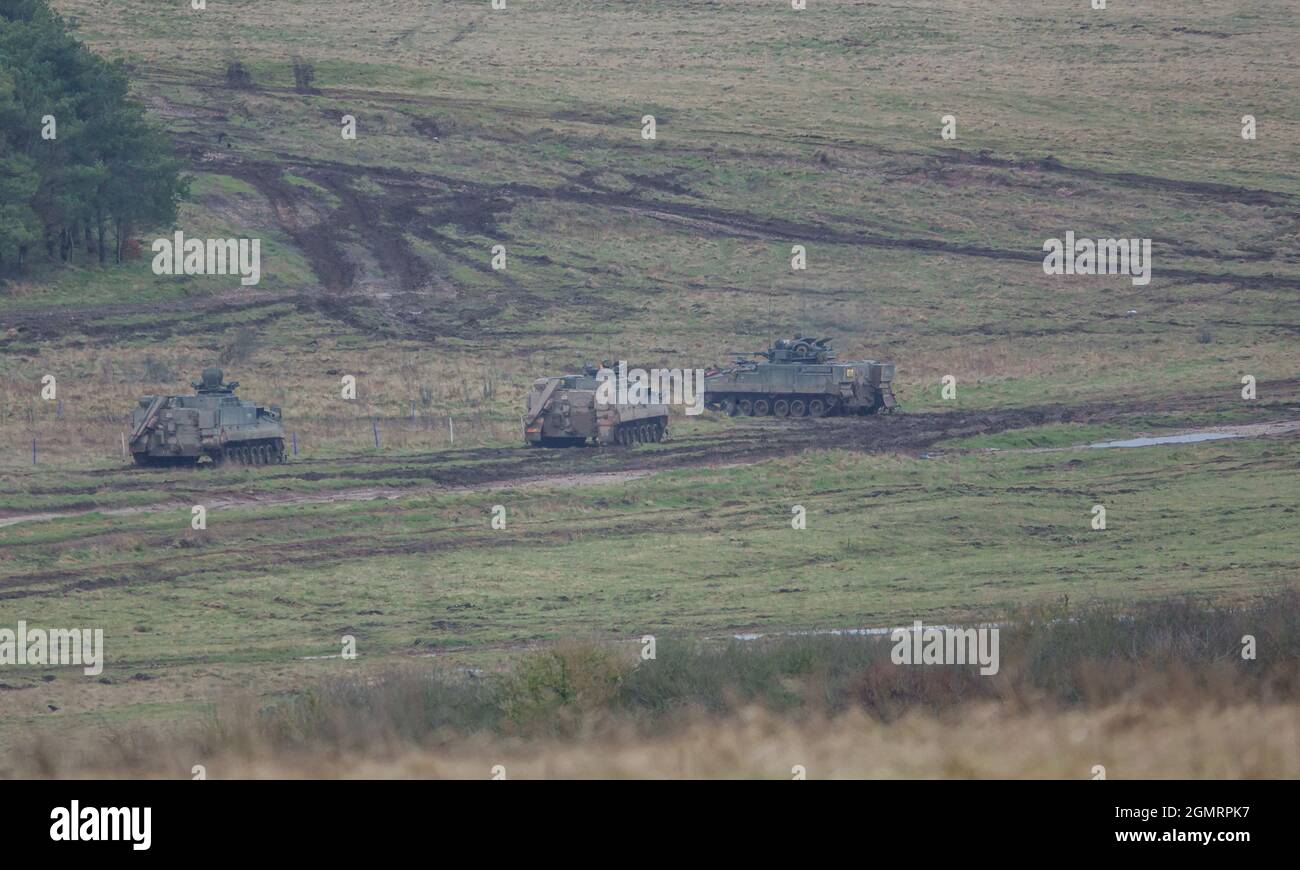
1174,655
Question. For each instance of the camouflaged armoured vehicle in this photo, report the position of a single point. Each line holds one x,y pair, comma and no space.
179,430
568,411
799,377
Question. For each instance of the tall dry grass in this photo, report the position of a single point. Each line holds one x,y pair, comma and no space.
1162,688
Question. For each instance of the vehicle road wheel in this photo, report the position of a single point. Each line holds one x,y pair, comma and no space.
745,407
798,408
781,408
729,406
761,407
816,408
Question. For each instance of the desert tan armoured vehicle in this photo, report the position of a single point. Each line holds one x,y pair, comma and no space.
569,411
799,377
178,430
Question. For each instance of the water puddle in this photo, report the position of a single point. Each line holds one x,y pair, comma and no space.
1196,436
1189,438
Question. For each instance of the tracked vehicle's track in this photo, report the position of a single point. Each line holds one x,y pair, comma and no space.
266,451
640,432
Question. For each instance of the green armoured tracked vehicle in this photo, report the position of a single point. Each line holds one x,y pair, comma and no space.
799,377
180,430
568,411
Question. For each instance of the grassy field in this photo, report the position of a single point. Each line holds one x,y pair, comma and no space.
264,589
774,128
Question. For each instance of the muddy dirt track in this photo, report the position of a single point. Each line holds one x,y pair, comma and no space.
505,468
357,478
357,239
475,207
750,441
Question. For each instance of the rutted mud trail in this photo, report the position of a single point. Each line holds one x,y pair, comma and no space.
418,202
487,469
358,494
364,241
192,315
594,116
478,204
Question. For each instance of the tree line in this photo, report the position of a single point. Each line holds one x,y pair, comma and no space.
78,158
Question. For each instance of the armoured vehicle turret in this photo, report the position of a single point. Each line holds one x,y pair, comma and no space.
800,377
180,430
572,410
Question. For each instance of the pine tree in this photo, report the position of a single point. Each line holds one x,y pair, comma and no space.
107,168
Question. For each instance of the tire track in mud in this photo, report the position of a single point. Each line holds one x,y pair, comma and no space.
485,201
337,549
1046,164
1049,164
199,314
1208,189
751,441
485,469
334,550
324,232
474,206
378,223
